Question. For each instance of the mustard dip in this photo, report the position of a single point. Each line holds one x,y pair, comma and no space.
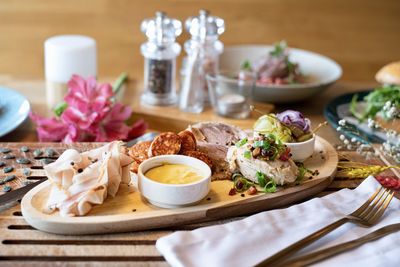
174,174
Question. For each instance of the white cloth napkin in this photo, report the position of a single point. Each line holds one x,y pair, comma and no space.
248,241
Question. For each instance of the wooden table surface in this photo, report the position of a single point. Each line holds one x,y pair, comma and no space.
23,245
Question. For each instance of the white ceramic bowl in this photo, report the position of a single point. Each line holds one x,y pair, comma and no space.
173,195
323,71
302,150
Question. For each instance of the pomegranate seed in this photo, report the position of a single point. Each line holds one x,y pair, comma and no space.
232,192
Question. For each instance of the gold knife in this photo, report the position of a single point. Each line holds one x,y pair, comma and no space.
334,250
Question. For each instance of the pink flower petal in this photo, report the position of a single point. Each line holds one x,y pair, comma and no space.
73,116
137,129
49,130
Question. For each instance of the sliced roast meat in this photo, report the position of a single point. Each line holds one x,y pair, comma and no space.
214,139
217,133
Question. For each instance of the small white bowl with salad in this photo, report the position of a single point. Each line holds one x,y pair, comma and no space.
284,75
291,128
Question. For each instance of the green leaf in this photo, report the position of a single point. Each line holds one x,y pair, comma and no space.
59,109
241,142
261,178
246,65
375,101
247,154
279,49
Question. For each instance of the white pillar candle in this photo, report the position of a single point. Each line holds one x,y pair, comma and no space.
65,55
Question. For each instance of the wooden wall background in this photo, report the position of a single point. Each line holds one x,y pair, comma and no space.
362,35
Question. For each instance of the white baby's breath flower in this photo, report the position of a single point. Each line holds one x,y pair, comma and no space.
339,128
342,137
371,123
342,122
349,147
387,105
353,140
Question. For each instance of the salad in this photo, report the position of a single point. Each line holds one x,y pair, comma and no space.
265,160
275,68
289,126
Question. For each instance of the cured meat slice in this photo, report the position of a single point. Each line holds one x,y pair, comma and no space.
188,141
165,144
140,151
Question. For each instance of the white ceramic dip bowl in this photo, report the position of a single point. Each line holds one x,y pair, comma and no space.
174,195
302,150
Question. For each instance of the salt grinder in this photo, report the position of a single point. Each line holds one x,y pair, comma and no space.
203,50
160,52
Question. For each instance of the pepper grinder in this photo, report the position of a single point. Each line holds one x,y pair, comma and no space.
203,50
160,52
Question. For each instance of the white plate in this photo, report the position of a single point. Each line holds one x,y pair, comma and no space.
322,71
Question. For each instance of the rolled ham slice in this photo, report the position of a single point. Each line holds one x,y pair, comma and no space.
81,180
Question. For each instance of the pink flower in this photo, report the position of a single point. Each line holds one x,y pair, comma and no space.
113,126
87,96
90,115
49,130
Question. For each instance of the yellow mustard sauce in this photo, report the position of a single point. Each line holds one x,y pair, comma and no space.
174,174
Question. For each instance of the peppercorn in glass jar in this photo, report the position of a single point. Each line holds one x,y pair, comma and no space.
160,52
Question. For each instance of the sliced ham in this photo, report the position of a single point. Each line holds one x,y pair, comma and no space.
81,180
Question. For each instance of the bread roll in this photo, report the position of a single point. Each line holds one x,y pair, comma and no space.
389,74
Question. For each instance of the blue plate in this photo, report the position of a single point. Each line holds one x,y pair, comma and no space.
337,109
14,109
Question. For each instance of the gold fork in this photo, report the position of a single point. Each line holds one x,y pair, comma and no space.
366,215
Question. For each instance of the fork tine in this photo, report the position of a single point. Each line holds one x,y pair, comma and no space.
366,204
381,197
380,212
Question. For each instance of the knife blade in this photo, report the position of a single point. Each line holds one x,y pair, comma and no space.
146,137
17,194
337,249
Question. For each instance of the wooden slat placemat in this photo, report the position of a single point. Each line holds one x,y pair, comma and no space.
23,245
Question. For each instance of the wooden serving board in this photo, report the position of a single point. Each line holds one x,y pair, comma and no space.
128,211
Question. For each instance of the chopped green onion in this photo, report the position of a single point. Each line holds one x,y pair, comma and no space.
302,171
270,187
247,154
241,184
241,142
261,178
236,175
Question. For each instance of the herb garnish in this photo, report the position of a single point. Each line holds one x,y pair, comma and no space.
375,102
279,49
241,142
246,65
303,171
261,179
247,154
241,184
270,187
